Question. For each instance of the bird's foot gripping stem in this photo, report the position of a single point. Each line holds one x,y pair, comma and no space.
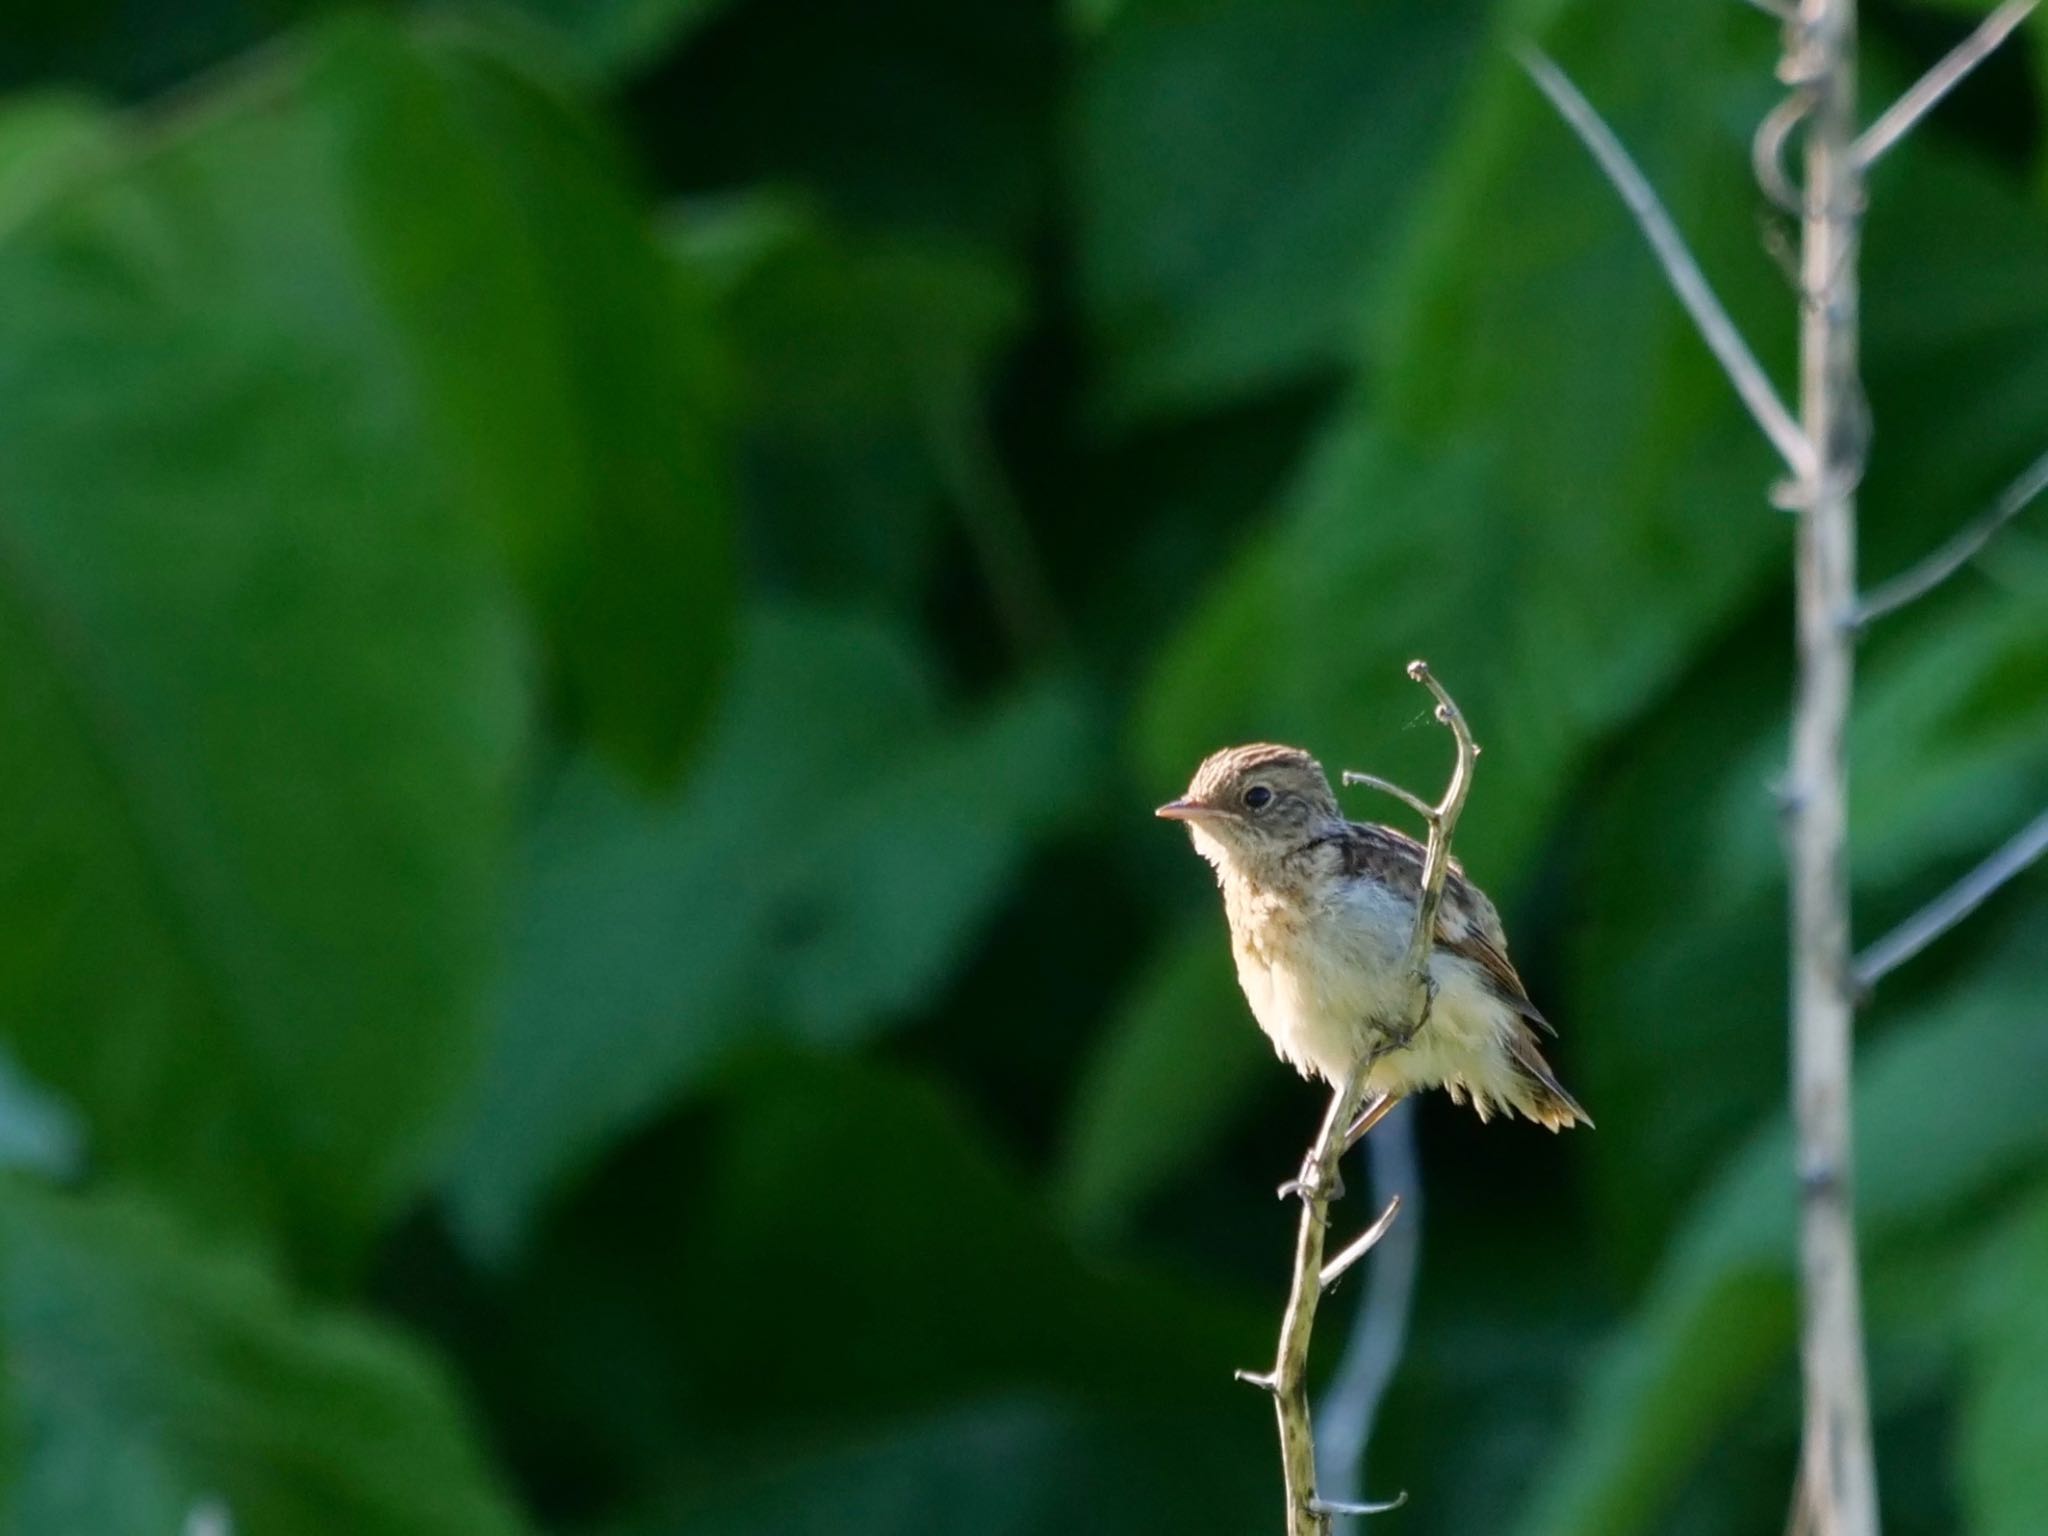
1400,1036
1309,1186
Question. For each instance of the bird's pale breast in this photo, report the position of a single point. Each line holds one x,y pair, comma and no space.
1324,980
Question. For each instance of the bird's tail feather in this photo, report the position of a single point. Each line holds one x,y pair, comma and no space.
1542,1097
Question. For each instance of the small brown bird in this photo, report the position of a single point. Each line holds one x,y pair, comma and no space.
1320,911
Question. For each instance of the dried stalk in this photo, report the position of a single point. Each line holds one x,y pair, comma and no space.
1840,1473
1826,451
1343,1124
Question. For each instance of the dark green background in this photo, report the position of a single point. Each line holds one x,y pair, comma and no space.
594,599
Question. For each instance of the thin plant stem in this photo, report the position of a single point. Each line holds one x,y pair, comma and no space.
1716,328
1351,1407
1308,1513
1948,909
1927,93
1839,1469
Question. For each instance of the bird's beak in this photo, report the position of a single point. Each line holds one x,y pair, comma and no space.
1184,810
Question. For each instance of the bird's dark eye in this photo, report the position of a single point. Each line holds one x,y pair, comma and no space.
1258,797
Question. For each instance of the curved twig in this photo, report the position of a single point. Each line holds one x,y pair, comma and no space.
1407,797
1307,1514
1767,149
1361,1245
1443,822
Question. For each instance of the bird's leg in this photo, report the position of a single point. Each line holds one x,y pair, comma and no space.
1368,1117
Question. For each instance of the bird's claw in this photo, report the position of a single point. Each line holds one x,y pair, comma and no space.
1429,991
1400,1037
1308,1186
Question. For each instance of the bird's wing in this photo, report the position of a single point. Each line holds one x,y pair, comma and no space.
1488,954
1466,924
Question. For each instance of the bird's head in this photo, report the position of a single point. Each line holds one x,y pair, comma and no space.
1250,805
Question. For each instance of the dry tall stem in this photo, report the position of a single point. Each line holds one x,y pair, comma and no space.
1840,1475
1343,1124
1825,451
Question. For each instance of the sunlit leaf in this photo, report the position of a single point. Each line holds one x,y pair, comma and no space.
45,142
261,684
286,391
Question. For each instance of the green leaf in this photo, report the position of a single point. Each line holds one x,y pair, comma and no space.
996,1300
44,142
629,557
1244,170
1020,1467
850,1249
1178,1061
287,389
38,1131
1522,494
2002,1439
827,867
617,37
262,682
914,114
149,1376
1720,1313
857,360
1684,1021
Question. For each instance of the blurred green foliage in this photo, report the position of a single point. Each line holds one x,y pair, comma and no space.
593,600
